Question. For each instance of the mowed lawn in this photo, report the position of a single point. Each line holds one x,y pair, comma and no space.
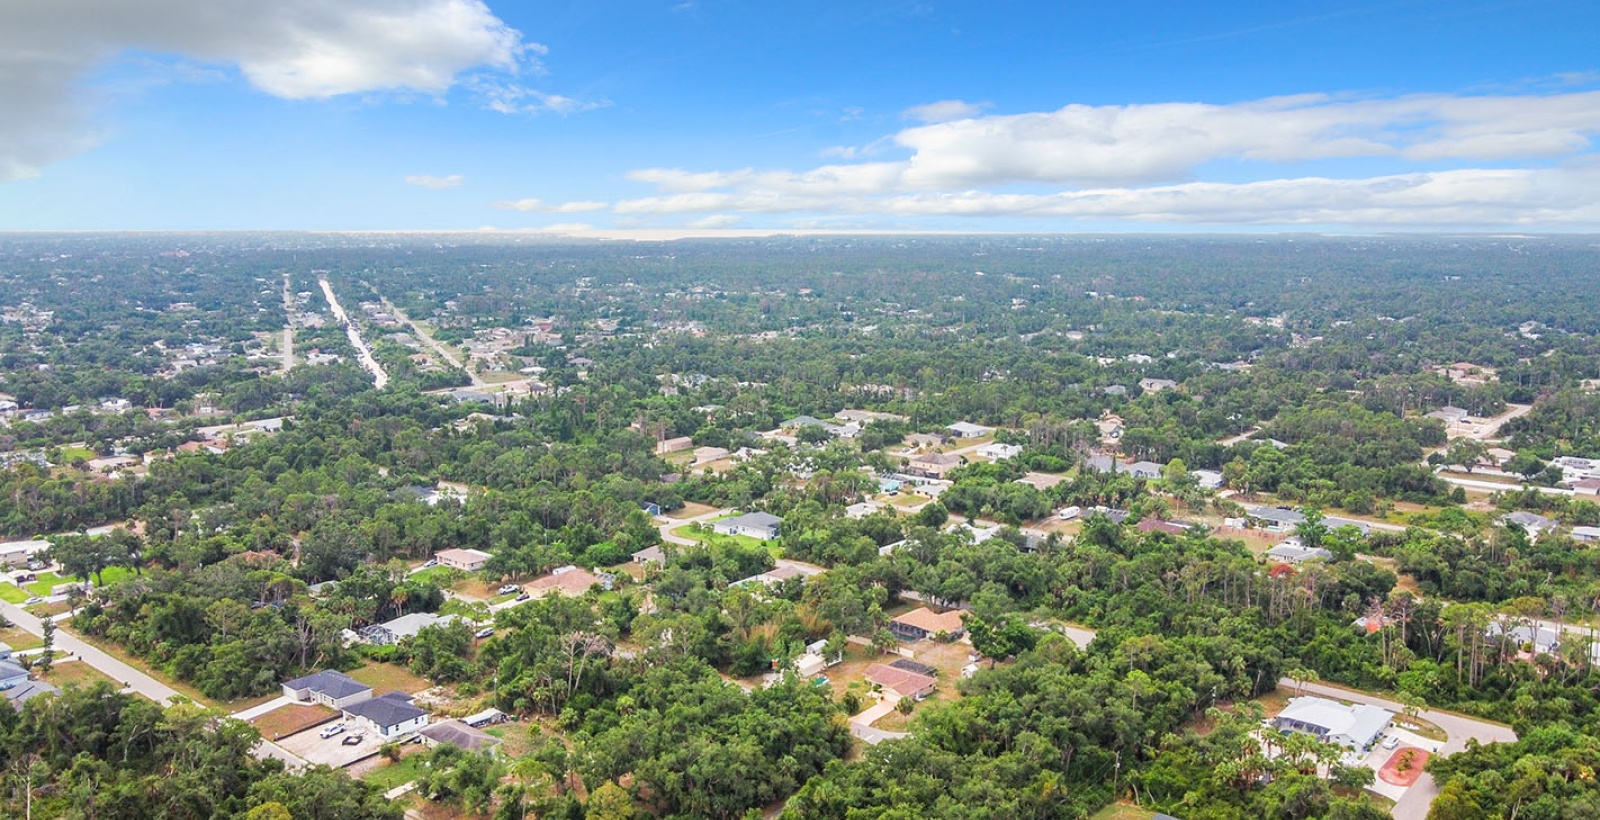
388,677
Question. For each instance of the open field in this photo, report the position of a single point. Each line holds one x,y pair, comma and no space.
385,677
287,720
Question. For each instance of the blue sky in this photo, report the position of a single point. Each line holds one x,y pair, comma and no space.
997,116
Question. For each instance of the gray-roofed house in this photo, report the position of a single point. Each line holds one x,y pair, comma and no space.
1141,469
965,429
1534,523
1541,638
1272,518
390,716
1295,553
12,674
650,555
405,626
26,691
329,687
1354,726
458,734
762,525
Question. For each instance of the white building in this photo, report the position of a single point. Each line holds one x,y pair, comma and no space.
1353,726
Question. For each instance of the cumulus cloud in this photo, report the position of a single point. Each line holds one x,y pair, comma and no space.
531,205
944,111
1140,162
294,49
436,183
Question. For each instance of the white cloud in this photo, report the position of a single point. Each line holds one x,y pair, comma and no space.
436,183
944,111
1139,162
294,49
715,221
512,98
531,205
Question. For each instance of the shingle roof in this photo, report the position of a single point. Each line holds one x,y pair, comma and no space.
460,735
926,620
336,685
753,520
903,681
391,709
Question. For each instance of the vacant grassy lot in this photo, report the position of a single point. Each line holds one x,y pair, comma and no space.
287,720
75,672
387,677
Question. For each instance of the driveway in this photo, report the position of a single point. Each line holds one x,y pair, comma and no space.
668,525
331,751
1417,799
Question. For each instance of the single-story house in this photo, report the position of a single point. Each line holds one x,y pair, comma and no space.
1289,553
1449,415
890,485
905,683
469,560
933,465
1000,452
674,445
12,674
460,735
1586,533
1534,523
569,580
762,525
922,623
962,429
704,455
1274,519
1586,486
1168,527
1141,469
26,691
1156,385
1207,479
862,510
329,687
1543,639
1353,726
390,716
650,508
650,555
405,626
17,553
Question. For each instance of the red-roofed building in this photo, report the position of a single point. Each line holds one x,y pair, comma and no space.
903,682
923,622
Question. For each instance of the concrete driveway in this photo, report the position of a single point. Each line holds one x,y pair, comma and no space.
332,751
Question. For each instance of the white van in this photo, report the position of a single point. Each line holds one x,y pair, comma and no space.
1069,513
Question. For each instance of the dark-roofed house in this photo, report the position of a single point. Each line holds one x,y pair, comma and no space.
459,735
762,525
923,622
390,716
330,688
1534,523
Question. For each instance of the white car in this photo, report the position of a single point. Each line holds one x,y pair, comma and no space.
330,731
1391,741
484,632
509,589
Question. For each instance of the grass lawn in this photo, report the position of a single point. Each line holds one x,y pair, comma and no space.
11,594
62,673
41,586
70,454
386,677
115,575
286,720
690,510
15,638
391,775
435,574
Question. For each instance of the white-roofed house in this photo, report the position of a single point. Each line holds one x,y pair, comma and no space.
1353,726
762,525
468,560
963,429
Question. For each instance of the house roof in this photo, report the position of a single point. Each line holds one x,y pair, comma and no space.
334,684
407,626
1275,515
1295,553
391,709
650,555
464,556
937,459
11,669
755,520
569,579
460,735
28,690
902,681
1358,722
933,623
967,428
1529,520
912,666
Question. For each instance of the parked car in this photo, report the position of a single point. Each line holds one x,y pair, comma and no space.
1391,741
33,600
331,730
523,597
353,740
431,562
509,588
484,632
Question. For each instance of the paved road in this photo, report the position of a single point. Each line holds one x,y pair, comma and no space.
380,378
1495,486
1414,805
427,338
135,680
667,525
